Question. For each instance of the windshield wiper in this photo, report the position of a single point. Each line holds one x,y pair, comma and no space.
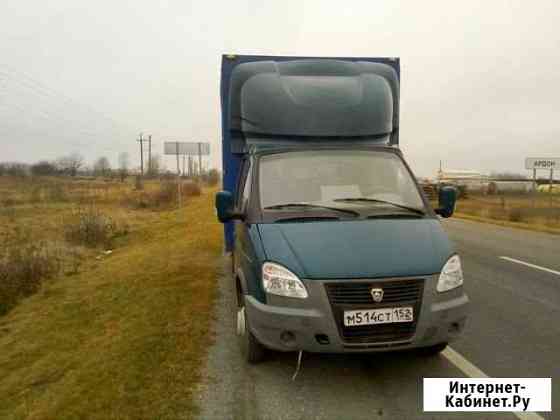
374,200
309,205
306,219
395,216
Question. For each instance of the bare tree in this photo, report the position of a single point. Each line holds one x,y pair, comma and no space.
123,165
102,167
71,164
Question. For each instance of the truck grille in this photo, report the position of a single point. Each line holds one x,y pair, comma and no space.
349,295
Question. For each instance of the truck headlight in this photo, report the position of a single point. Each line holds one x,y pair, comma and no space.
451,275
278,280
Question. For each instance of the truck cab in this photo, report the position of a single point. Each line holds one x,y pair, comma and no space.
334,246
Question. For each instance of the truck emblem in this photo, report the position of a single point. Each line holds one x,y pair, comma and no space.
377,295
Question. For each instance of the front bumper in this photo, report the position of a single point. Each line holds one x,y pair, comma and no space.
287,324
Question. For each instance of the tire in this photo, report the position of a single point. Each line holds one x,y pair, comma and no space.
433,350
252,351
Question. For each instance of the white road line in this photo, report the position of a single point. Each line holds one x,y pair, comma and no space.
467,367
538,267
473,372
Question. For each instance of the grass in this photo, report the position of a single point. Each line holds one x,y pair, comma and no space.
540,212
125,337
518,225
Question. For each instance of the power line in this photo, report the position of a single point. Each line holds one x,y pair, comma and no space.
30,101
40,88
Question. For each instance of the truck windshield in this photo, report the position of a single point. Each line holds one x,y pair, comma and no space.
352,178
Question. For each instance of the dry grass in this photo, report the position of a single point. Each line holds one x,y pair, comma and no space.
538,212
125,335
191,189
23,268
164,195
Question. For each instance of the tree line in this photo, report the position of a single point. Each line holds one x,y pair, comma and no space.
74,164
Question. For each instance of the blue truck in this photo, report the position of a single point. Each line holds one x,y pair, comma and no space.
334,246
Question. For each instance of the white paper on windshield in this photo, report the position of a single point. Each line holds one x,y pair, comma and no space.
333,192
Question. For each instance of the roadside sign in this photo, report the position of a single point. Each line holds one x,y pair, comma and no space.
186,148
542,163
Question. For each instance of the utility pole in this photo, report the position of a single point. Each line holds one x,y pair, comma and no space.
141,140
551,181
199,159
534,186
150,154
178,176
177,154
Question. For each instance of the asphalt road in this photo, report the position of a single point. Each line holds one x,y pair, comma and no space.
513,331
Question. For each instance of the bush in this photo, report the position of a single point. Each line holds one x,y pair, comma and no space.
516,215
168,176
43,168
167,195
212,177
23,267
36,195
10,202
91,228
497,213
57,192
168,192
13,169
190,189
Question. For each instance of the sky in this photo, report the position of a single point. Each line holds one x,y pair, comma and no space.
480,80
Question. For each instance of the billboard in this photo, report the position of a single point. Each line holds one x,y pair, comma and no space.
186,148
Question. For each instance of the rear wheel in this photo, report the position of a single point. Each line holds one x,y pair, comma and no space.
433,350
252,351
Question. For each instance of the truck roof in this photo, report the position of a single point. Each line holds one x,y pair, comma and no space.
301,98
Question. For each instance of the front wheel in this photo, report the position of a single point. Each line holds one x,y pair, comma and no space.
253,351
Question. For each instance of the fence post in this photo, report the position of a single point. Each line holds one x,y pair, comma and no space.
534,186
550,186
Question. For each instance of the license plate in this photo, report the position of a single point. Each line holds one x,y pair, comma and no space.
378,316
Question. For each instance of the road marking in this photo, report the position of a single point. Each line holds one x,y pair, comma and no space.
538,267
467,367
473,372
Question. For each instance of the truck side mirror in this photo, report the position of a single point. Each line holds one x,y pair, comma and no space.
447,200
224,207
